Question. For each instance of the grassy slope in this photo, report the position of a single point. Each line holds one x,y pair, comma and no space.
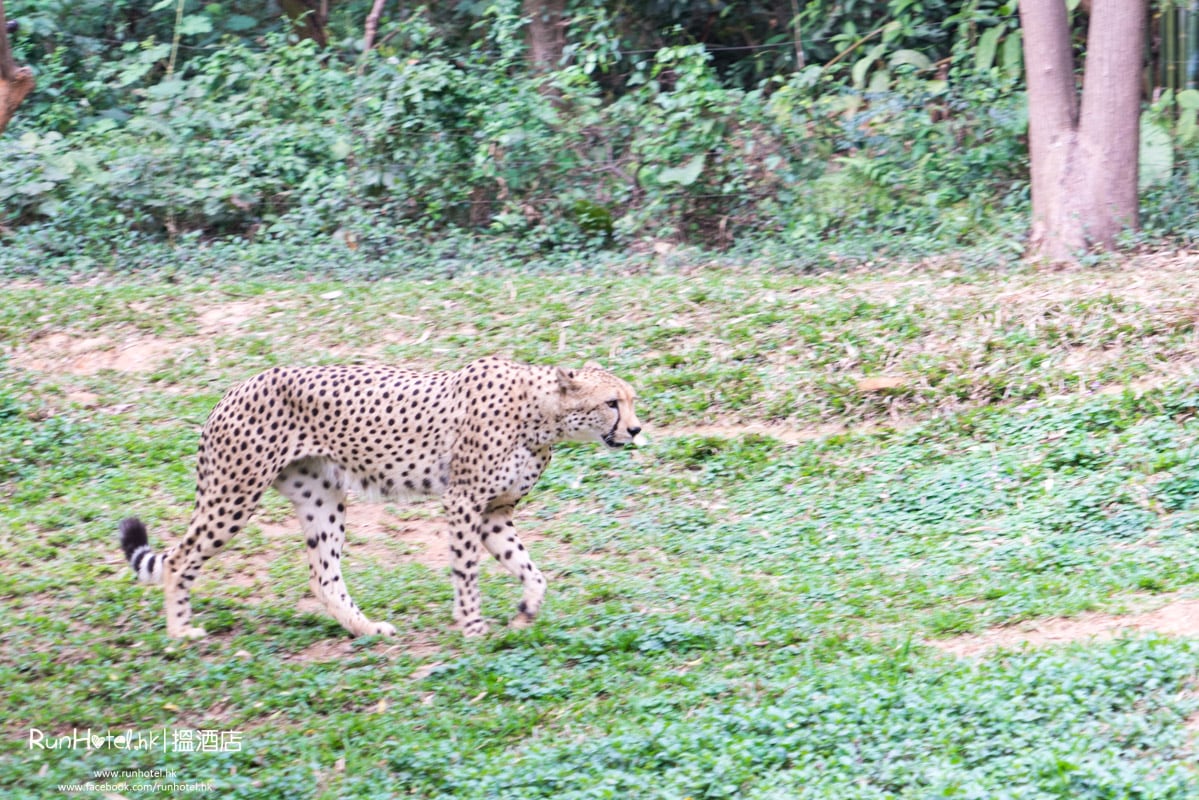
728,616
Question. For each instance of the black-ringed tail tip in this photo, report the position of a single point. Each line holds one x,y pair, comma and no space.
146,564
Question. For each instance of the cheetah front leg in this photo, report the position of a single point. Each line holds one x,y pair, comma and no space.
500,539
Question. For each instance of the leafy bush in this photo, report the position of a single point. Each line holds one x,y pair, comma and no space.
906,129
261,142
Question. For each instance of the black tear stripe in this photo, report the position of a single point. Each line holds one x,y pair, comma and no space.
610,437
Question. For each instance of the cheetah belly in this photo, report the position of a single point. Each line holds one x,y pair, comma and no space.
410,472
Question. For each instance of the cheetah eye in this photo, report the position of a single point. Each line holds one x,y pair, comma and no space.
613,403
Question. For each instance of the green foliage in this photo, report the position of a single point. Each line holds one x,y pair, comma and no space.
1168,205
263,138
905,130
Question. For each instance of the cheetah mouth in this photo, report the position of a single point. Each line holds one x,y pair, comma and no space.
610,440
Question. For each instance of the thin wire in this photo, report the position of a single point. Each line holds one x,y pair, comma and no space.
718,48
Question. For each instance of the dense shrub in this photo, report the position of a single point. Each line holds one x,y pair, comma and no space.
272,138
262,141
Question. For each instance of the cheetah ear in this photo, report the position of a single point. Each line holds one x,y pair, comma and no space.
566,380
592,365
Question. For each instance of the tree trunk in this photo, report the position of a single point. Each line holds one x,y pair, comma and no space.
1084,163
308,18
1109,129
15,82
546,32
372,26
12,92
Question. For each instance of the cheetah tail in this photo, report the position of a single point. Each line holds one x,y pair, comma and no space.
147,564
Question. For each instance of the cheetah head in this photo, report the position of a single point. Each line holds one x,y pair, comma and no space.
596,406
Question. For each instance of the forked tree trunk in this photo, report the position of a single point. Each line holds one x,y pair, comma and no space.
15,82
1083,152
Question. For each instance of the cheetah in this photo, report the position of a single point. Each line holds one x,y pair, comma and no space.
478,437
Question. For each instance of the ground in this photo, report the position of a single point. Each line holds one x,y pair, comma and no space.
912,529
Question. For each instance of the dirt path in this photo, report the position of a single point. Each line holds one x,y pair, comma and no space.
1179,617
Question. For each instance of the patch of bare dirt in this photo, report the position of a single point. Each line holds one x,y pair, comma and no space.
783,433
1179,618
235,314
330,650
1158,380
74,355
426,540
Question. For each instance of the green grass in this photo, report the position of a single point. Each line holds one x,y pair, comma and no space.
730,615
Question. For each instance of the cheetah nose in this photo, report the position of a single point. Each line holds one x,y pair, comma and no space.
633,431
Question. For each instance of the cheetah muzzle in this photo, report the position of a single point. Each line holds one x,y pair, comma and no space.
479,437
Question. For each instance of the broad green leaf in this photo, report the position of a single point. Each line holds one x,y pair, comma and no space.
858,73
1188,98
161,4
880,81
911,57
684,174
862,66
59,169
132,73
341,148
1157,154
165,89
194,24
239,22
1187,127
35,188
984,56
1012,52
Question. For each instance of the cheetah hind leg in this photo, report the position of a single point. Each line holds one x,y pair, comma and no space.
316,490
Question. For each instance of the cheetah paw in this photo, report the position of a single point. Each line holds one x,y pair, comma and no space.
521,620
188,632
383,629
474,627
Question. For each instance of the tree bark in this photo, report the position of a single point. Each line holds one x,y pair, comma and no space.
15,82
546,33
1084,153
372,26
308,18
1109,129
